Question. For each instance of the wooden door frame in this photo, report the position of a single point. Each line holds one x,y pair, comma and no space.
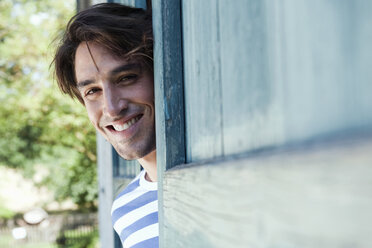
169,96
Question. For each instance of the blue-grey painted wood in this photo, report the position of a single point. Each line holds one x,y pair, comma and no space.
327,66
168,84
311,195
252,114
202,76
168,73
141,4
314,64
133,3
106,191
289,71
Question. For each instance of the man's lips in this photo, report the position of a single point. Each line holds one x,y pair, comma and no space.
124,124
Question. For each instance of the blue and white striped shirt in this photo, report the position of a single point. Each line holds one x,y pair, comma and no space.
135,214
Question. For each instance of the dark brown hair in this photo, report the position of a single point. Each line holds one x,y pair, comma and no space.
124,31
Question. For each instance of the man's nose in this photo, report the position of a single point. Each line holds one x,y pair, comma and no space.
114,102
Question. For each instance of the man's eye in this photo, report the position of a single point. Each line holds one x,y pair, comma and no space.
127,78
91,91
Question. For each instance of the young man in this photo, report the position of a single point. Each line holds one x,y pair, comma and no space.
105,61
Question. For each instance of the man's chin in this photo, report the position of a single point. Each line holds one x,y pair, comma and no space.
134,154
126,156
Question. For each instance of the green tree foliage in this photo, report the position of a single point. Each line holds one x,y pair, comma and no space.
39,126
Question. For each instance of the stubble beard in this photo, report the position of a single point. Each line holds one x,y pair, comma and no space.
136,149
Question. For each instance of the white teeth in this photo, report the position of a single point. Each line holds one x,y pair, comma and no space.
126,125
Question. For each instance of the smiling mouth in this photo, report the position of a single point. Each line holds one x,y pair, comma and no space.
126,125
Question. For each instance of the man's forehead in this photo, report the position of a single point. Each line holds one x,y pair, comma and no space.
91,58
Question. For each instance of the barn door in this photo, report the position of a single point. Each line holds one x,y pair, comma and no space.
264,122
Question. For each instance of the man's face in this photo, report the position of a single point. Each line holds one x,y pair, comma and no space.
119,97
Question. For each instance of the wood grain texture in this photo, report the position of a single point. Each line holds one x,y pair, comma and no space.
323,46
168,73
314,195
202,76
133,3
252,113
289,70
168,84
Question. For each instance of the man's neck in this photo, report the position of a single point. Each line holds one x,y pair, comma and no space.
148,163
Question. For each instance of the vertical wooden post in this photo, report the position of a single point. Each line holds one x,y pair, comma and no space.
82,5
106,194
168,83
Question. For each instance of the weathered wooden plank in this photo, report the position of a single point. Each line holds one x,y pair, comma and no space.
311,195
202,80
325,49
291,70
168,73
168,84
106,191
252,114
134,3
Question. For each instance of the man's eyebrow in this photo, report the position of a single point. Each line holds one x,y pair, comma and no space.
84,83
126,67
120,68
